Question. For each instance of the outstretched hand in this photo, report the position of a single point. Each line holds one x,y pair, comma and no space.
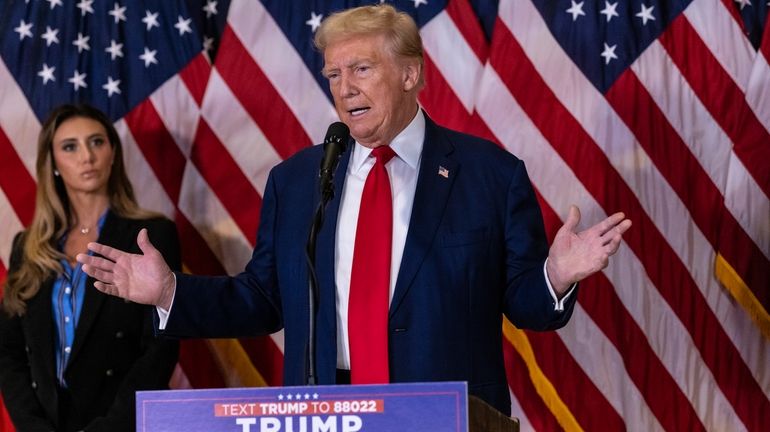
574,256
142,278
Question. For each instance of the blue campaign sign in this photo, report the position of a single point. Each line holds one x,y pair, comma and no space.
345,408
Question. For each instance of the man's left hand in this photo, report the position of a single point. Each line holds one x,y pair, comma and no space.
576,255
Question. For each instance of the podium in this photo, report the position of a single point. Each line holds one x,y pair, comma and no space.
439,406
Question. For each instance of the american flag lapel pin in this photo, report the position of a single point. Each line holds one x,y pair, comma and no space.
443,172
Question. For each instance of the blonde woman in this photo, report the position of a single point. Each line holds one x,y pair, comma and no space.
71,358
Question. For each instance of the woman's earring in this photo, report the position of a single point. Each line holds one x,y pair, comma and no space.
56,172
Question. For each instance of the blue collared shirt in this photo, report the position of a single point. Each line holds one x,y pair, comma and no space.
67,301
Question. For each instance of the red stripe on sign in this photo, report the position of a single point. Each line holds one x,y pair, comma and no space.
226,179
258,97
16,182
690,181
722,97
585,401
196,76
460,11
521,385
665,399
158,147
441,103
266,358
663,267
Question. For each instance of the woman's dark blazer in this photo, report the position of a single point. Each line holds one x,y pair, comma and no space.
114,353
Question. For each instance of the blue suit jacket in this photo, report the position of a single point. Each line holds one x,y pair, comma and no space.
474,250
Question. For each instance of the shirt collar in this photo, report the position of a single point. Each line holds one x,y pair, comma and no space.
407,144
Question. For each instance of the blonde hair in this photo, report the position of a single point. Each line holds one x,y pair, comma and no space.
40,257
399,29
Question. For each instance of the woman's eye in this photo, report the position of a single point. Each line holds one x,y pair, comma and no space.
68,147
96,142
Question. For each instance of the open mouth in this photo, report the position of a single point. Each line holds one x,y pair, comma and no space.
358,111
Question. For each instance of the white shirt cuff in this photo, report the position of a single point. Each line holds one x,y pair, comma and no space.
163,314
557,302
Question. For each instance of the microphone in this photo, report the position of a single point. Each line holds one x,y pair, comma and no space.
335,143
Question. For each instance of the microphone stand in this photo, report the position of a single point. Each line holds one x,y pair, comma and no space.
334,145
327,192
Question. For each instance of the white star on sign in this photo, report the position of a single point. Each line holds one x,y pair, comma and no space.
610,10
47,74
24,30
51,36
609,53
315,21
148,57
78,80
85,7
576,10
82,43
646,14
118,12
210,8
115,49
111,86
183,25
151,20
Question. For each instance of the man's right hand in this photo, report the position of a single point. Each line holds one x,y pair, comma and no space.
142,278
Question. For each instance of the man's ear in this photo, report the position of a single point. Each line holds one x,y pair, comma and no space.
412,72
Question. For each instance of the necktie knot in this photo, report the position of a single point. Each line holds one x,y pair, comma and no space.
383,154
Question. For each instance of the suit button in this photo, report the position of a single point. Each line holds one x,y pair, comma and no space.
109,373
119,335
34,384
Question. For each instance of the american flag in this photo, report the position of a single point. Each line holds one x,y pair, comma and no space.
658,108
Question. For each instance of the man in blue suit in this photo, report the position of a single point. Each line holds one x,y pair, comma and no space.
466,237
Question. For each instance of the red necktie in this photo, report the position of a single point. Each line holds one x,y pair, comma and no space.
370,278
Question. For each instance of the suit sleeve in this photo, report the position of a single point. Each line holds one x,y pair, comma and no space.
528,302
248,304
153,369
16,381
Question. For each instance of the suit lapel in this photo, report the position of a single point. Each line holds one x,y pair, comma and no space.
39,317
434,182
93,300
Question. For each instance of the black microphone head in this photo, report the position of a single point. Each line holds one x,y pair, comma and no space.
338,133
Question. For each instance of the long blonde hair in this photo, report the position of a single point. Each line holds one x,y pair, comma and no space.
40,258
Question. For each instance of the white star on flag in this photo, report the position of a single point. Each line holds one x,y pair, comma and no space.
78,80
24,30
610,10
315,21
85,7
148,57
50,36
576,10
609,53
118,12
210,8
111,86
419,2
54,3
150,20
115,49
646,14
183,25
82,43
47,74
743,3
208,43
